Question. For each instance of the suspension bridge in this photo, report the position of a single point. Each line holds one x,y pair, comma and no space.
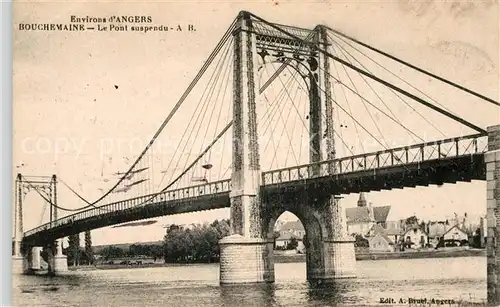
281,118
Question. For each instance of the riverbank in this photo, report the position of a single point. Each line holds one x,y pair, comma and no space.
431,253
440,253
292,258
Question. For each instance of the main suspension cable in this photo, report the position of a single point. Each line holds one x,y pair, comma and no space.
454,84
174,110
390,85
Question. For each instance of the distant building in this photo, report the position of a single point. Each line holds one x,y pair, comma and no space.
436,230
286,237
361,219
379,241
395,230
455,233
294,227
278,225
415,237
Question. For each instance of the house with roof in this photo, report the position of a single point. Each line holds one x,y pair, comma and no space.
395,230
436,230
285,238
379,241
415,237
456,234
294,227
279,223
361,218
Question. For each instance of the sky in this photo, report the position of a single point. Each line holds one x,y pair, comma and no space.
64,87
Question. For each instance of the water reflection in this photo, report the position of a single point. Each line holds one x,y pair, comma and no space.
331,292
254,294
198,285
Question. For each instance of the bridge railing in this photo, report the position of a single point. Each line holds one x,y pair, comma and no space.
177,194
442,149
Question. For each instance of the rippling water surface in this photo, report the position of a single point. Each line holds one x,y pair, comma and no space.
197,285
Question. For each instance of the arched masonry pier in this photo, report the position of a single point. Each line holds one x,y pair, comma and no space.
244,254
58,262
33,259
27,262
247,254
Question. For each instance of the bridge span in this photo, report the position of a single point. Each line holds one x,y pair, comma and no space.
445,161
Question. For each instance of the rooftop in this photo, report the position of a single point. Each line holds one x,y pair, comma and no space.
362,214
287,235
292,226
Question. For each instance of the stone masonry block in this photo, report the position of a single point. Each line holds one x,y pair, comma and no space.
491,220
490,194
495,128
492,204
244,260
492,155
489,175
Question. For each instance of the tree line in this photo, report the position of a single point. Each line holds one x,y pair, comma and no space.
154,251
199,243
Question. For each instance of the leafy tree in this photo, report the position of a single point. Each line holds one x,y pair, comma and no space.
412,220
293,244
476,239
361,242
89,252
156,251
74,249
82,256
111,251
199,244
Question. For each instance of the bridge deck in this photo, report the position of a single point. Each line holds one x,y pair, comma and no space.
446,161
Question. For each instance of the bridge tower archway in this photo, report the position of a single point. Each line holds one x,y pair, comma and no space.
311,239
246,255
329,251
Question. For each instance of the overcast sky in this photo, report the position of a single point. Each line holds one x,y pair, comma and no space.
64,85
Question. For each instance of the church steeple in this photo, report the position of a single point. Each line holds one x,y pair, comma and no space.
362,200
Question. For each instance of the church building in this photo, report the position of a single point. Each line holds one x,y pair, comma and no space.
364,216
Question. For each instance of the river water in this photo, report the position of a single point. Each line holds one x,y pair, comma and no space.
461,278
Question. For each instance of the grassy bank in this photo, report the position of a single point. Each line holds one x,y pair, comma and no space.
287,258
290,258
422,254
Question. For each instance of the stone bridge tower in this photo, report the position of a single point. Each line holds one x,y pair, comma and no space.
246,255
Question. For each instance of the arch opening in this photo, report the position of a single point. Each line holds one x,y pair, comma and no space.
296,235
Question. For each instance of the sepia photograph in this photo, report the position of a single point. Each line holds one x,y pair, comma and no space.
271,153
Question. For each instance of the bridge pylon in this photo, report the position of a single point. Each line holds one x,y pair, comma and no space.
58,263
26,258
18,261
244,254
247,254
492,160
